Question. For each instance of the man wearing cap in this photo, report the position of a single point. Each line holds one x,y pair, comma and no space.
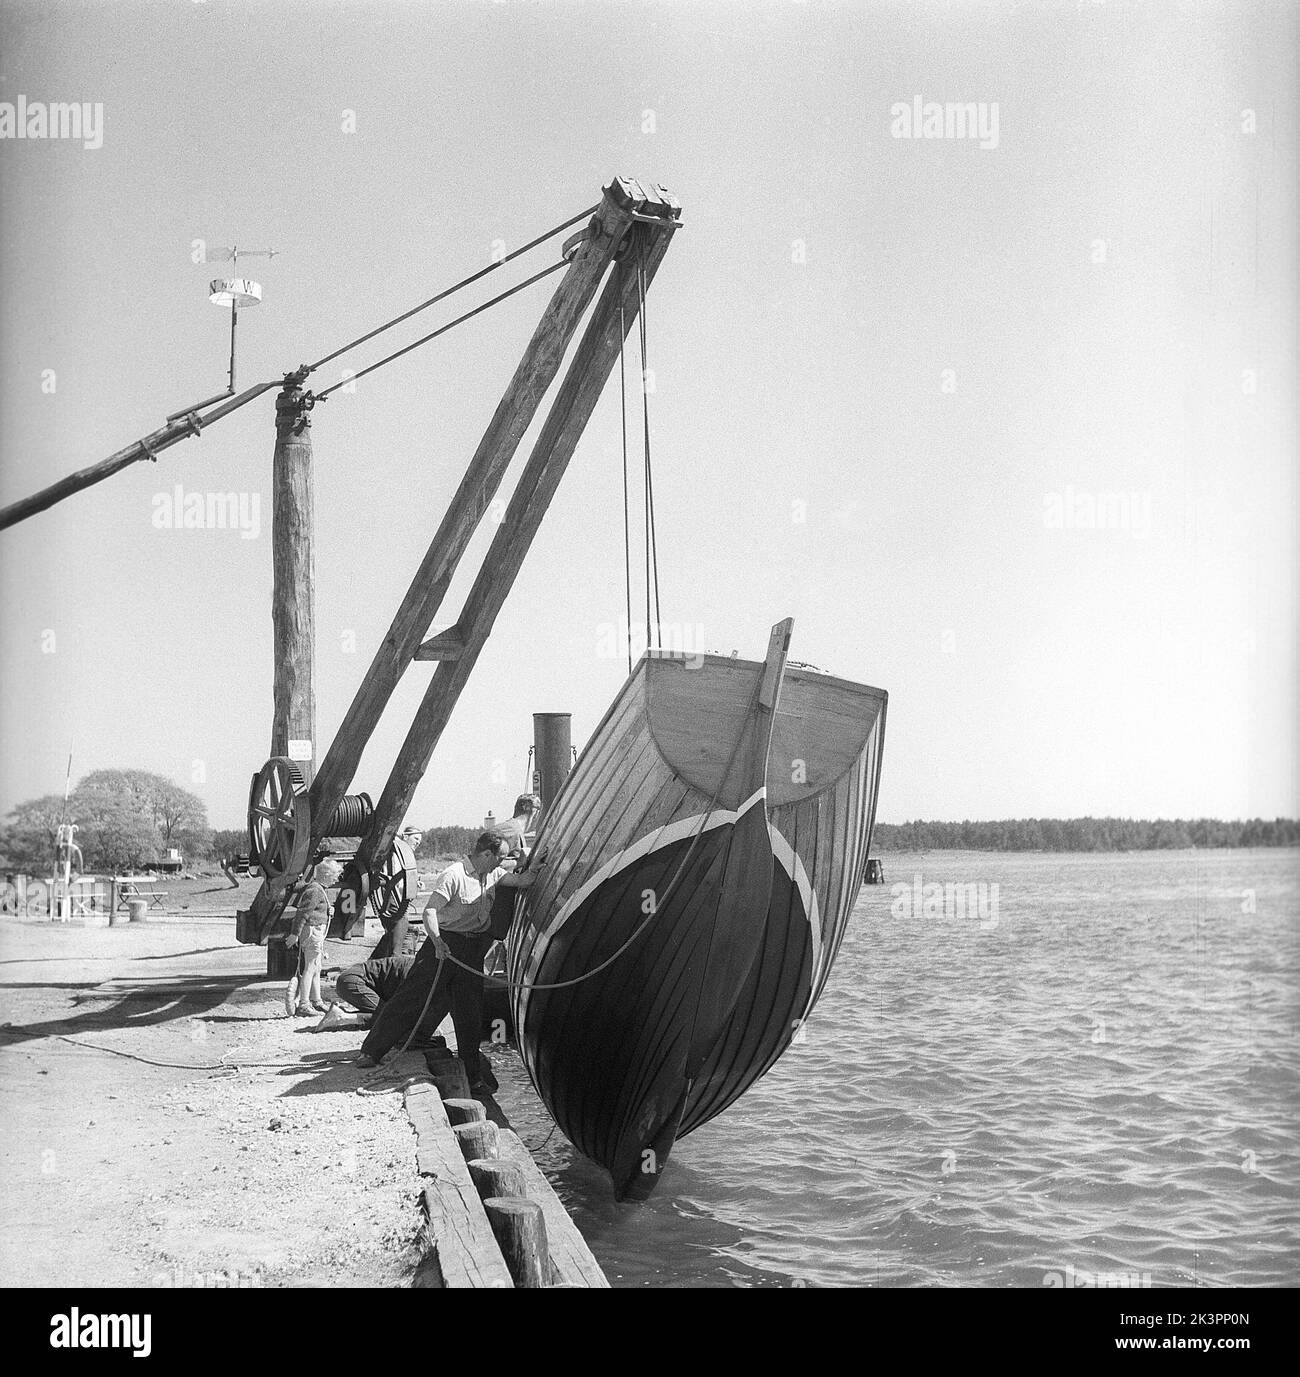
513,832
456,919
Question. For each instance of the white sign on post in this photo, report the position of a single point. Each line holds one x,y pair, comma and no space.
299,750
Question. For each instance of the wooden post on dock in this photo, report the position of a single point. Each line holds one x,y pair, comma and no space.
478,1140
463,1245
520,1231
493,1178
293,722
464,1111
448,1074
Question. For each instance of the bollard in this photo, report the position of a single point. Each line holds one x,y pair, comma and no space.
477,1139
463,1111
451,1080
520,1231
496,1179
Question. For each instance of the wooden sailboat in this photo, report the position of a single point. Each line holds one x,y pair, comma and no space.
699,868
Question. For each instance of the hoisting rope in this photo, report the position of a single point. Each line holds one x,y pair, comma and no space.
627,530
443,295
652,548
653,611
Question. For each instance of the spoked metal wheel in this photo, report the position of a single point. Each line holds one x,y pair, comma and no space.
279,820
394,883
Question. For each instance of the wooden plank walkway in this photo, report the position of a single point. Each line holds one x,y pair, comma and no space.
460,1249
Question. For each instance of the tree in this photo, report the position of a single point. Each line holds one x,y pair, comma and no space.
446,841
112,833
175,817
228,841
28,836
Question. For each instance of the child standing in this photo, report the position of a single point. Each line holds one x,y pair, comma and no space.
310,924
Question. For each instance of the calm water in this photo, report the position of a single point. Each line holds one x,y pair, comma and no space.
1097,1074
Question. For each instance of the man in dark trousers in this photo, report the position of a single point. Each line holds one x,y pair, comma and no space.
456,918
366,986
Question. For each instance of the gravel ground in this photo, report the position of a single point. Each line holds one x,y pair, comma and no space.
211,1172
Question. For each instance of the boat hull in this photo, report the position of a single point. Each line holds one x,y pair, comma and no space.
690,929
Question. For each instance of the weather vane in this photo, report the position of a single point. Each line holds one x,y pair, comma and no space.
235,291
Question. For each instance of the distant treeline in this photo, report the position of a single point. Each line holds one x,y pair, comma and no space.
437,841
447,841
1084,834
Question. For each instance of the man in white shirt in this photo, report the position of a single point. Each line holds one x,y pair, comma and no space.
456,918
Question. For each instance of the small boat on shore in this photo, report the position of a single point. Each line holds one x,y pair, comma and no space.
698,870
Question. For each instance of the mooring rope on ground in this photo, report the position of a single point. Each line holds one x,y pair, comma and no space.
222,1065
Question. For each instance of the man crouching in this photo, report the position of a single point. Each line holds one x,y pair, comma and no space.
447,976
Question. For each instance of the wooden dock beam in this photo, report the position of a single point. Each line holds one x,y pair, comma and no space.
492,1220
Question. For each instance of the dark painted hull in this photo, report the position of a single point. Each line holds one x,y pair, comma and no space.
714,985
623,1050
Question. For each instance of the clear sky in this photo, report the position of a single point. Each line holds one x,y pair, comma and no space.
894,377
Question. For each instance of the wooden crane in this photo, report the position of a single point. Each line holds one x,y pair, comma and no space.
293,809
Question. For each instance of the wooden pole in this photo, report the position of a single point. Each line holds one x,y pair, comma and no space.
293,727
189,423
463,1111
293,719
520,1231
452,1080
494,1178
552,751
477,1139
576,400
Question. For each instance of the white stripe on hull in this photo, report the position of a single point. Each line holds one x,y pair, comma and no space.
667,835
794,868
